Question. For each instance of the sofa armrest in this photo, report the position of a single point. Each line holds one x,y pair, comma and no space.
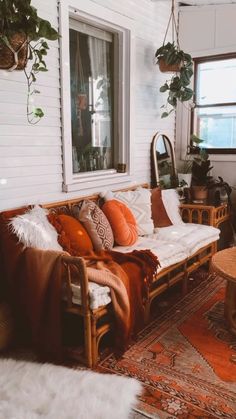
197,213
76,266
204,214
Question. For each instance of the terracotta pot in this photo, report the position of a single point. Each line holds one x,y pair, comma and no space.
168,68
16,59
200,193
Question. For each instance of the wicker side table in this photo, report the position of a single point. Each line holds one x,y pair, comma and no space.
224,264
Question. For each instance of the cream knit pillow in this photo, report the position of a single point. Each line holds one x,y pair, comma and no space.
139,202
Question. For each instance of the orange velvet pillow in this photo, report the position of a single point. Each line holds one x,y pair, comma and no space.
122,222
72,236
159,214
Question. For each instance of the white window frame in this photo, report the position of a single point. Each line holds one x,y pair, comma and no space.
88,12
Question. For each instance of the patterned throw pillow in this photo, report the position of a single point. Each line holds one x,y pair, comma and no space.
96,224
139,202
122,221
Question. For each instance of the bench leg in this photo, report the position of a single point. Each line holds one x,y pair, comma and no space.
88,339
185,284
94,341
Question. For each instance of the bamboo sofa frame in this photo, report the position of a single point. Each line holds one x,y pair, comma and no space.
94,328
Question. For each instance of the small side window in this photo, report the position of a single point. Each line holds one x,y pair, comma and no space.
214,114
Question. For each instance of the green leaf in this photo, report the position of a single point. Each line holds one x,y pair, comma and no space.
38,112
45,45
164,88
164,114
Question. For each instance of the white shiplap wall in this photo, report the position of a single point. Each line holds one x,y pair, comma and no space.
31,156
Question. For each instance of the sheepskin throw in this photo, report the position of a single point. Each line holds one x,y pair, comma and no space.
34,230
33,391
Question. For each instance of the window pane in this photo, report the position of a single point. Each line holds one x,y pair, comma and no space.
91,102
217,126
216,82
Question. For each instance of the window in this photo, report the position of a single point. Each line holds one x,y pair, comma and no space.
214,114
92,98
96,67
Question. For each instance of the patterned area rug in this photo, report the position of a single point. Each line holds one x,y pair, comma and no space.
186,359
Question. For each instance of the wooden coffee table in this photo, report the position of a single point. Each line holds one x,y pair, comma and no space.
224,264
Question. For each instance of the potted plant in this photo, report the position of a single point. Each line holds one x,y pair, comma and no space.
185,166
185,171
201,180
171,58
23,37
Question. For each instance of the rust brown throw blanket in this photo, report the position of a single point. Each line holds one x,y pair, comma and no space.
38,299
132,274
37,290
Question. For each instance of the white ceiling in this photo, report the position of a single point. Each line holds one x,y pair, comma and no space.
203,2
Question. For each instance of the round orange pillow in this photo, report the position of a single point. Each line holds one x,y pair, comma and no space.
122,222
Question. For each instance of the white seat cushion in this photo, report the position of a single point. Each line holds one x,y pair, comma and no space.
191,236
168,253
99,295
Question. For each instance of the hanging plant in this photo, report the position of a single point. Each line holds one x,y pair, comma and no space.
23,37
171,58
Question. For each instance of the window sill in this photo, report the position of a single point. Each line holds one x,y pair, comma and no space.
101,178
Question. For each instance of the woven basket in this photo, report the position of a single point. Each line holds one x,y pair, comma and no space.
7,59
6,326
168,68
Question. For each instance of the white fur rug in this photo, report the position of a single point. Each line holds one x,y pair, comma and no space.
31,391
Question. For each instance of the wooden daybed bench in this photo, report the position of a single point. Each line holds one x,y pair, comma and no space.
97,322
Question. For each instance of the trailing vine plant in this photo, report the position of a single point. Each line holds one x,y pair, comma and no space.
20,18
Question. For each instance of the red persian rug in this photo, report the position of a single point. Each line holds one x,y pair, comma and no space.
186,359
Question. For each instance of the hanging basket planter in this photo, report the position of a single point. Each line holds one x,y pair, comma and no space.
164,67
14,52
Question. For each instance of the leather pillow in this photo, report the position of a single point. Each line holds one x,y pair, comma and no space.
159,214
96,224
72,236
122,222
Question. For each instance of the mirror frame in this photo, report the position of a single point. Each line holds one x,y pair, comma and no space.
174,175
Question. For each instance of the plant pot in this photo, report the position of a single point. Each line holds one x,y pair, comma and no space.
169,68
186,177
15,59
200,193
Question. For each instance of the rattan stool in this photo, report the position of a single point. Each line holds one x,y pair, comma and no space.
224,264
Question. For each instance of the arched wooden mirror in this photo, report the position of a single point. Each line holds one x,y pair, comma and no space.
163,162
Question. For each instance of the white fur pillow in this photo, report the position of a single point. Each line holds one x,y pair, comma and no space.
34,230
139,202
170,200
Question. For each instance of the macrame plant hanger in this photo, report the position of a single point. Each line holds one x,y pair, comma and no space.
163,65
174,26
